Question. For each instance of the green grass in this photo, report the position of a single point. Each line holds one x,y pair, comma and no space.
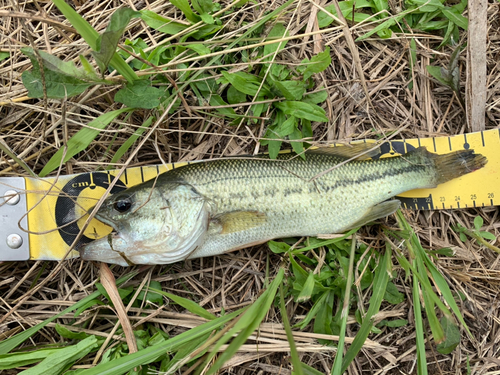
147,88
328,291
288,99
415,15
477,234
291,116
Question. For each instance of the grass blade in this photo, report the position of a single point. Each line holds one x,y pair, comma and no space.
325,243
13,360
337,363
56,363
189,305
81,140
12,342
308,370
379,287
129,142
297,367
5,148
83,27
429,305
406,264
442,285
419,329
90,35
446,292
128,362
247,324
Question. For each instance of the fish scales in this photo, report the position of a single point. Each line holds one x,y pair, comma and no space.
212,207
294,201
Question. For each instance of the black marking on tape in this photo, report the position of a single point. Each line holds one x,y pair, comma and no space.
466,144
491,201
419,145
142,174
434,143
444,206
125,174
390,148
474,202
65,214
449,142
482,137
458,204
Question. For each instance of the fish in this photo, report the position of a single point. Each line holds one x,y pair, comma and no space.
213,207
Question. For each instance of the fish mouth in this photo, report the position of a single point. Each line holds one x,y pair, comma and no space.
99,250
112,223
103,250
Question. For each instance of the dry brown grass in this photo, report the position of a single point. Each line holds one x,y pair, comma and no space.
368,96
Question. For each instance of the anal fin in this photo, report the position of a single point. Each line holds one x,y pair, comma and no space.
376,212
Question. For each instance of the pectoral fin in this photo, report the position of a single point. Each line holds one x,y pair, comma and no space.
237,221
376,212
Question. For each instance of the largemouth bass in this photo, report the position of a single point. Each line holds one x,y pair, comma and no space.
213,207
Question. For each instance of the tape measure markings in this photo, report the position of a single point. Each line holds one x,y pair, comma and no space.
125,175
142,175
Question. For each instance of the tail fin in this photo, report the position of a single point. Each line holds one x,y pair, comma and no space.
456,164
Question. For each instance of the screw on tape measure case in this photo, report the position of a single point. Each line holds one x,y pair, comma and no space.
51,211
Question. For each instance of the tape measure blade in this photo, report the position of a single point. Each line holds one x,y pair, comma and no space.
478,189
481,188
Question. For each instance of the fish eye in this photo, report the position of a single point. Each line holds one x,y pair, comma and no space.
122,204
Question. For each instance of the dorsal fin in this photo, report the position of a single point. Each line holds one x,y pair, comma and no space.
359,151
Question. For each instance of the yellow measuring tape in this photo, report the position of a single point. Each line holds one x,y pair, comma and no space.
57,208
